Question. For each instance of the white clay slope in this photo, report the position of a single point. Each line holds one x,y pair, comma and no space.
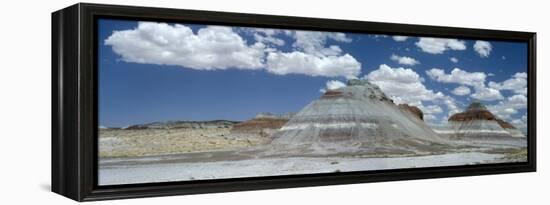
514,132
359,115
476,128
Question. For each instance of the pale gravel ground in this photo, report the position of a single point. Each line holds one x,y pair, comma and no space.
148,142
165,172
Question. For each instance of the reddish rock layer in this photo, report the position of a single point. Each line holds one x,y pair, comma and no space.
259,124
473,115
478,111
332,94
505,124
412,109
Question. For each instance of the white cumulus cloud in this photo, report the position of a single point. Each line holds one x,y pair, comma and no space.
269,39
453,59
462,77
517,84
461,91
509,106
430,118
220,47
520,75
404,60
439,45
400,38
517,101
521,123
313,42
266,36
298,62
451,105
313,57
430,112
486,94
431,109
332,85
483,48
458,76
403,85
212,47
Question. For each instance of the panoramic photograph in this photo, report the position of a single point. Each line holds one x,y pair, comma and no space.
186,102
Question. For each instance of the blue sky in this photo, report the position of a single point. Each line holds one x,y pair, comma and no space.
161,71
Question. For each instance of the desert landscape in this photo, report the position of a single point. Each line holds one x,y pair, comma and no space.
352,128
132,142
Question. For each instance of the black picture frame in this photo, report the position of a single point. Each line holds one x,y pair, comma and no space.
74,102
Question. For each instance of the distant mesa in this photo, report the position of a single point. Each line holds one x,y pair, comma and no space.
358,116
269,115
475,111
262,125
102,127
183,124
413,110
477,122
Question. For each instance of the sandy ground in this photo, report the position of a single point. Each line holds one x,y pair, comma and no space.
150,142
183,154
144,172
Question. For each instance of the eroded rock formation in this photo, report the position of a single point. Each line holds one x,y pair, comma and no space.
412,109
264,124
476,122
358,116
